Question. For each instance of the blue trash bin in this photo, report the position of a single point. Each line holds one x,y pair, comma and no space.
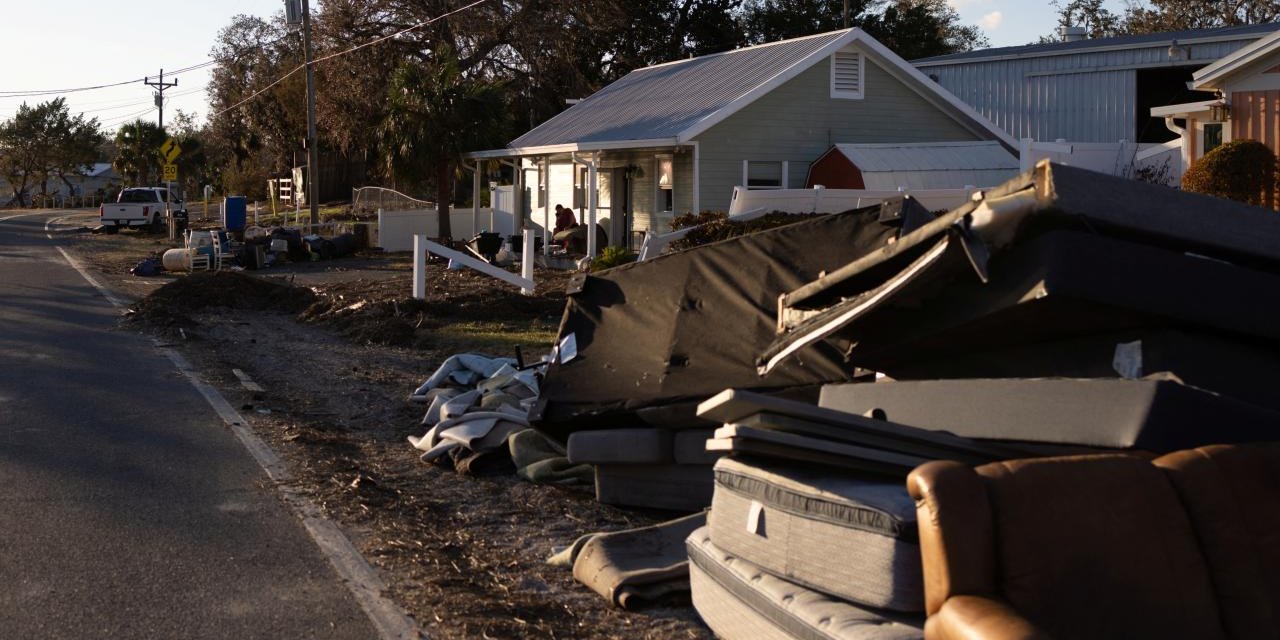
234,210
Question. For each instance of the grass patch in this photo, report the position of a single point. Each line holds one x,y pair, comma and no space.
497,337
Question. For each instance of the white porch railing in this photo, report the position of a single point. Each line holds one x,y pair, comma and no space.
422,246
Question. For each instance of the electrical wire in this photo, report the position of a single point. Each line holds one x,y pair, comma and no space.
302,66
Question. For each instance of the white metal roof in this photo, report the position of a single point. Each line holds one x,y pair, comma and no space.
672,103
1178,110
1211,76
931,165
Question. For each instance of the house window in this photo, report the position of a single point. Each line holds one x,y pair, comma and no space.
764,174
847,68
665,202
1212,136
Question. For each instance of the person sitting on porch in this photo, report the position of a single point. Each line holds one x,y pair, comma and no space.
564,219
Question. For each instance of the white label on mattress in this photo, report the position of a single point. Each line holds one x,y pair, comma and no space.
755,518
1128,360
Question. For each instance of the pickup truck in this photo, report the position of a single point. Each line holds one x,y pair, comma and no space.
139,207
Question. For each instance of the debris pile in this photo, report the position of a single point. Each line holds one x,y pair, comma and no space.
1063,312
475,406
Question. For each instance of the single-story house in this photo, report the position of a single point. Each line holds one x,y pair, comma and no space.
1246,102
913,166
677,137
1088,90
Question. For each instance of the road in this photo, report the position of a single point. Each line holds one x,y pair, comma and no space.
128,509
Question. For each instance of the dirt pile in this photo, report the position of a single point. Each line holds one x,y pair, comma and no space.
172,304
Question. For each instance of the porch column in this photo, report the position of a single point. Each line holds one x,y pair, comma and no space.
545,179
697,180
517,198
593,183
475,197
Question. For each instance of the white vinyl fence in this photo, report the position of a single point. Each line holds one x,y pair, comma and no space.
1147,161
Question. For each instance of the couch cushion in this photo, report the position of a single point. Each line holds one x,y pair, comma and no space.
1098,547
1232,494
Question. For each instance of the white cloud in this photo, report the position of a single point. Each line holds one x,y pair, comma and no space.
992,21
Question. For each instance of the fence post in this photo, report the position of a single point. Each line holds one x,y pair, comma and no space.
526,264
419,266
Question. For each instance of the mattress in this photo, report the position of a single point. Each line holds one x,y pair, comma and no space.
677,487
1154,414
792,521
739,600
1241,369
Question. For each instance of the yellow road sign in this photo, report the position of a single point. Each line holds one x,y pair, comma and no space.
170,150
170,172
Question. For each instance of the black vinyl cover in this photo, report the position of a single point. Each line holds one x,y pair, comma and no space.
1157,414
681,327
1048,198
1057,286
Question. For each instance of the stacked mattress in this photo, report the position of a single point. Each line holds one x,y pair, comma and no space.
648,467
794,551
1062,308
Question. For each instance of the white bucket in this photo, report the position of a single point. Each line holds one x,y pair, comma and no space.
177,259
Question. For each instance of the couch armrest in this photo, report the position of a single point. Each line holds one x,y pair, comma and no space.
957,547
979,618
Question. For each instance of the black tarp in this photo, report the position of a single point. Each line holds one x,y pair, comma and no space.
655,338
1149,256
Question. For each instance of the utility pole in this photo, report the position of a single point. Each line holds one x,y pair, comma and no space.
161,85
313,153
846,14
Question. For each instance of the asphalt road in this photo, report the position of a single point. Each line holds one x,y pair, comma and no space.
127,508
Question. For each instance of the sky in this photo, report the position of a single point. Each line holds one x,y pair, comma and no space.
69,44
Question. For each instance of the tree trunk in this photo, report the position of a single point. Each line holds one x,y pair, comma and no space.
444,194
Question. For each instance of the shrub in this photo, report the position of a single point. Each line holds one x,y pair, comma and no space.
1241,170
717,226
612,257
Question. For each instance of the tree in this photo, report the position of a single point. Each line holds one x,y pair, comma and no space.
911,28
46,142
434,114
923,28
1154,16
1097,20
138,152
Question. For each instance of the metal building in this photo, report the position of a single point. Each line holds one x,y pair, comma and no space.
1086,90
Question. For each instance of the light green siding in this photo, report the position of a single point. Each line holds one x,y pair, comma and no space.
799,121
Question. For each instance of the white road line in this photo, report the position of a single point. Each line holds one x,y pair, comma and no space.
247,382
366,586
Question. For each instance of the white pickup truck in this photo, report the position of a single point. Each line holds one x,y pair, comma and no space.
140,207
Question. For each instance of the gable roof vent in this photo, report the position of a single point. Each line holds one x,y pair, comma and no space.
846,74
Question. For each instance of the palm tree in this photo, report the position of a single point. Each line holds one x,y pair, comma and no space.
434,114
138,151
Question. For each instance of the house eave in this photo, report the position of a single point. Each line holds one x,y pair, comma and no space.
572,147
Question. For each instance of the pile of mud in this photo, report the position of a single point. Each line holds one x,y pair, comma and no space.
172,304
367,312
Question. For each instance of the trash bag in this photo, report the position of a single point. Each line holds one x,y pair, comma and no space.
148,267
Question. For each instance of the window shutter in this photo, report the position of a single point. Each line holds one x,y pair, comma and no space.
846,74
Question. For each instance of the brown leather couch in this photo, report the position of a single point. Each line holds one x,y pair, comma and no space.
1103,546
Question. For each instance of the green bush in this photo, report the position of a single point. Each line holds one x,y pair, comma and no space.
612,257
1241,170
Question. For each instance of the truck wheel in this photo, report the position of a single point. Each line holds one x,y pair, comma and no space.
156,226
111,228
